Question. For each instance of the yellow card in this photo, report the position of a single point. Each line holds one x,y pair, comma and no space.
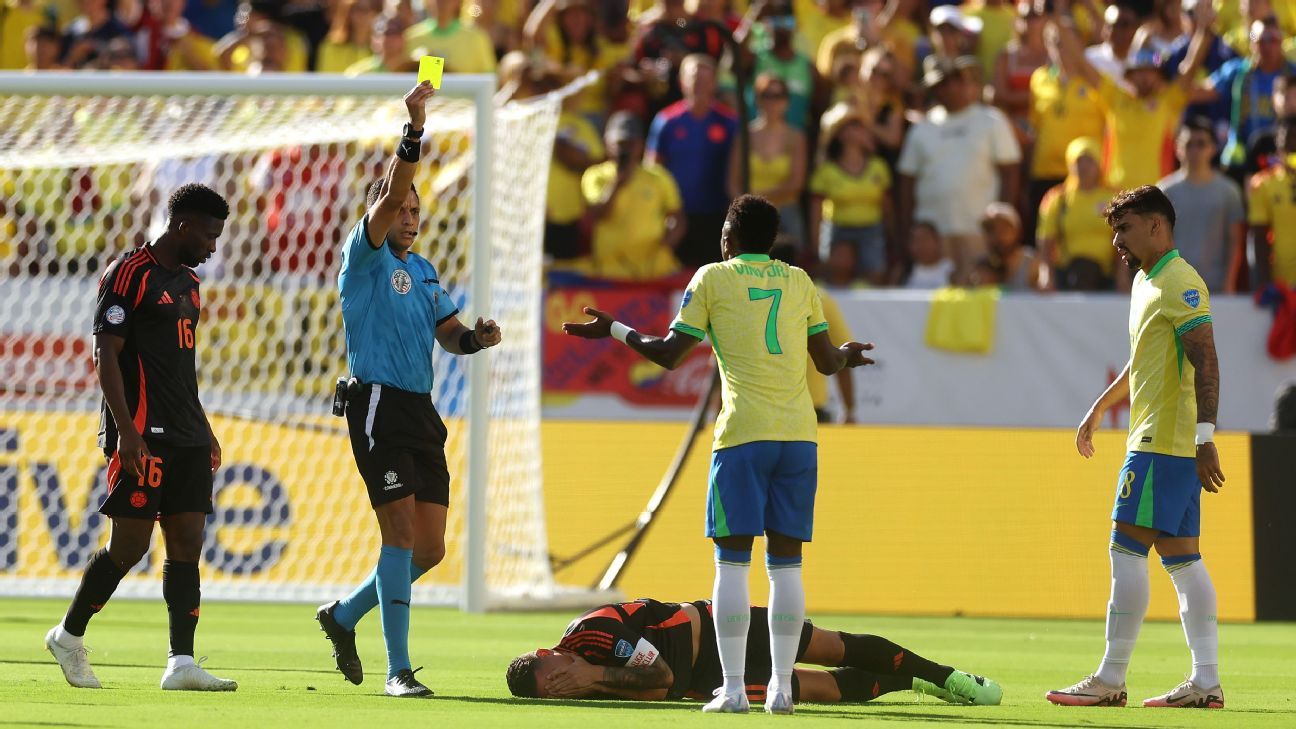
430,69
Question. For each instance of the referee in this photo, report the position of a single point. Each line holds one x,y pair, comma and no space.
394,308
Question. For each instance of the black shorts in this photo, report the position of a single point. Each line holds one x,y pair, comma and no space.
707,676
399,444
177,480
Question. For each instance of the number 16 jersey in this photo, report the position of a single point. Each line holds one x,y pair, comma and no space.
758,314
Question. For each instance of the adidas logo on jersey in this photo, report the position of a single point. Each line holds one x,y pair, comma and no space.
166,298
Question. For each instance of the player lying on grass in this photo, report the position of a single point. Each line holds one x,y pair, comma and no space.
657,651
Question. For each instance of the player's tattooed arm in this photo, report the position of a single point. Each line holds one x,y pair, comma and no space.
656,675
1199,348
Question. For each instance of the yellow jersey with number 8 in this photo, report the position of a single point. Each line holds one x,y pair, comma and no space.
1165,304
758,314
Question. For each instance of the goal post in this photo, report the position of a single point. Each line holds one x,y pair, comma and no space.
86,162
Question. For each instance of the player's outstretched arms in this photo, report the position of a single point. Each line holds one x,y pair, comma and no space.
400,172
829,359
1199,348
1118,390
668,351
131,450
456,338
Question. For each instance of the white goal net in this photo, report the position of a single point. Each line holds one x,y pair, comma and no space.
86,165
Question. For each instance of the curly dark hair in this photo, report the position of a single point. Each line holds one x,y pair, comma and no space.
521,675
753,223
200,199
1143,200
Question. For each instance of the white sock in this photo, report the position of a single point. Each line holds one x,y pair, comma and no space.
731,611
786,618
1197,613
66,639
175,662
1125,611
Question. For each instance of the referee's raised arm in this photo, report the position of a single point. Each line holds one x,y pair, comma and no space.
400,173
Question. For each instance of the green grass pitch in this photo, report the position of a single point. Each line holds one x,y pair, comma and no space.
285,674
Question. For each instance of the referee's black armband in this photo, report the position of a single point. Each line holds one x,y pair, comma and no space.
409,150
468,343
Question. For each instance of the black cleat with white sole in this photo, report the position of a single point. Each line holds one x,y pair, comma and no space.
404,685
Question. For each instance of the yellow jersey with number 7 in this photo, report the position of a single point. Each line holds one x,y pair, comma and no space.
758,314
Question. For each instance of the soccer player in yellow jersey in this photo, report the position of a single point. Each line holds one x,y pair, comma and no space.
1172,382
760,316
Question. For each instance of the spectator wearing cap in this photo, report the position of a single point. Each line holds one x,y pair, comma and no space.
259,30
850,195
566,33
1143,114
636,208
691,139
998,22
1271,213
1063,108
350,39
1074,242
576,147
465,47
962,157
1246,85
1210,227
391,52
953,34
1015,265
777,160
88,35
776,55
1120,25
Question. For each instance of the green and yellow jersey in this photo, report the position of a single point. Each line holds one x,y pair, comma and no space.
1165,304
758,314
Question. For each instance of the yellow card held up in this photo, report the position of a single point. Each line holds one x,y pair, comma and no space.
430,69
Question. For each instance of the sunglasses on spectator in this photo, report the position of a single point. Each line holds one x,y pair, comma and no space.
1196,143
1270,37
1125,23
774,95
783,22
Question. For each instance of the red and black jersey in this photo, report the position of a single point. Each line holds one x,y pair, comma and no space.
156,310
634,634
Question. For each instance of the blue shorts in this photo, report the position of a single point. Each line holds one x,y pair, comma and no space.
766,485
1159,491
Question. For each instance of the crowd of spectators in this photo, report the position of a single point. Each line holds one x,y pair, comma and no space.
905,142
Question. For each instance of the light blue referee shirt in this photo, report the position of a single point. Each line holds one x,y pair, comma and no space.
390,309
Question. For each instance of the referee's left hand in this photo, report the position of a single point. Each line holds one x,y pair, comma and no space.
487,332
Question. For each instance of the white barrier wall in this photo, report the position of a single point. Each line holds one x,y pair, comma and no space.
1052,355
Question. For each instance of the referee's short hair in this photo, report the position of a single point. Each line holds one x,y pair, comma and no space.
197,199
374,191
1142,200
753,223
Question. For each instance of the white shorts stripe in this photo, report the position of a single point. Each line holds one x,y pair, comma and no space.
373,410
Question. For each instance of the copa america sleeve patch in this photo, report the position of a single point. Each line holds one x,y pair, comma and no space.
643,653
1192,297
115,315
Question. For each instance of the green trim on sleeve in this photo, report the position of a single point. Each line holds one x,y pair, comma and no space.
820,327
1192,324
692,331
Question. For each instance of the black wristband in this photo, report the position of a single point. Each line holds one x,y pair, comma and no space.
409,150
468,343
409,132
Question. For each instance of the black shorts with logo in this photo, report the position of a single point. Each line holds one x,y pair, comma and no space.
177,480
707,676
399,444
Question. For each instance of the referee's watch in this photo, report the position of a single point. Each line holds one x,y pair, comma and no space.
410,132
